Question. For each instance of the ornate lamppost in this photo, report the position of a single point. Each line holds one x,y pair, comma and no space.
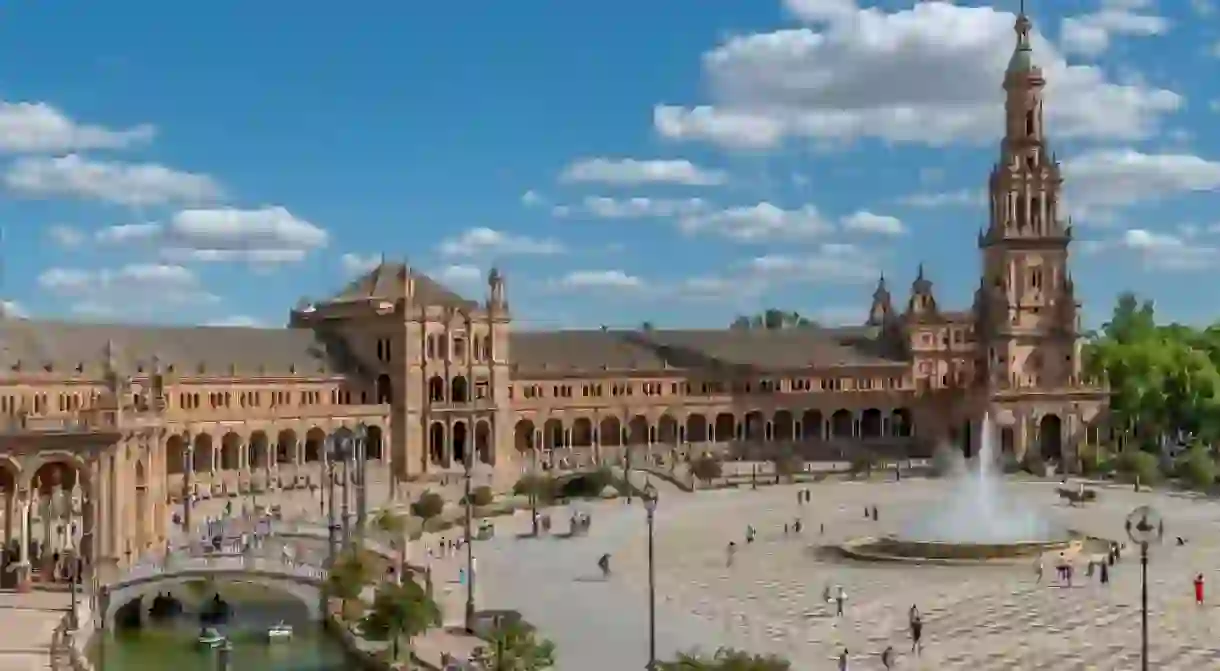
650,508
1144,525
468,524
188,483
332,526
362,469
344,445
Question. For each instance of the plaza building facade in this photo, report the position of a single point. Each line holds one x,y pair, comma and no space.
107,424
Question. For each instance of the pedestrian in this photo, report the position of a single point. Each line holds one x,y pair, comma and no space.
1199,589
822,529
1105,574
840,600
729,552
917,635
1038,569
887,657
843,660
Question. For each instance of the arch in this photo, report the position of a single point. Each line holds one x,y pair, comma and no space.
610,432
582,432
385,389
175,455
754,425
202,460
552,434
1050,437
726,427
230,452
460,442
374,441
523,435
258,450
315,443
900,423
1008,440
285,447
870,423
696,428
307,593
812,423
784,426
841,424
436,443
55,472
482,441
459,390
667,430
436,389
637,430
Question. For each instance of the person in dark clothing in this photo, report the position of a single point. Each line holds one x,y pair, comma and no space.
917,635
887,657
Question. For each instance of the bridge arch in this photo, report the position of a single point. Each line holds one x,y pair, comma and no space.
308,591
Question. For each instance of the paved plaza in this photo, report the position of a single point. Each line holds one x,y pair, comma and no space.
981,618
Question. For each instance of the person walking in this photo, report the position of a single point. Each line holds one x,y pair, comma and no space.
1039,568
1199,589
1105,574
840,601
887,657
843,660
917,635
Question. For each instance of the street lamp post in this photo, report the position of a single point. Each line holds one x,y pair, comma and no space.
650,508
332,527
188,484
344,446
534,483
467,465
362,469
1144,524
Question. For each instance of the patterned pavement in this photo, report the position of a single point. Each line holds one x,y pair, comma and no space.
980,618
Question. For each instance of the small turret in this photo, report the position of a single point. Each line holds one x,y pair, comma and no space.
882,310
497,301
408,282
922,304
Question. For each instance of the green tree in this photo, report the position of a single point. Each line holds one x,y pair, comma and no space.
1197,468
706,467
771,319
428,505
726,659
514,645
353,569
787,464
400,611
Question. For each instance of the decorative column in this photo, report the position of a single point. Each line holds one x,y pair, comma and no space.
22,570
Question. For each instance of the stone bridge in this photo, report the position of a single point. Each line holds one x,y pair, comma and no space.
300,580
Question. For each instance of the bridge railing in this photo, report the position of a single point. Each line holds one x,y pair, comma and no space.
175,565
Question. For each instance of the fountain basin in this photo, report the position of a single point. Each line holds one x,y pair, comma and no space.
895,549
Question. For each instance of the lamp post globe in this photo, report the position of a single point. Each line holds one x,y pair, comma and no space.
1144,525
650,507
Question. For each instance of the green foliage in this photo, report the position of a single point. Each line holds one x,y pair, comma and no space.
352,570
787,464
1197,468
518,648
771,319
390,522
863,463
400,612
539,485
587,485
1165,379
706,467
943,461
1133,463
726,659
428,505
482,496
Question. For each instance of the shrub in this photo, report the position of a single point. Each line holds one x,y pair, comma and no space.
587,485
944,462
706,467
482,496
1133,463
726,659
540,486
863,463
1197,468
788,464
428,505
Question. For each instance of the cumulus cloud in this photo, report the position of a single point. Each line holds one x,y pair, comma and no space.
869,222
459,274
859,73
1091,34
762,222
134,289
38,128
598,279
1158,251
238,321
133,184
358,264
66,236
490,242
634,172
960,198
603,207
267,235
1105,179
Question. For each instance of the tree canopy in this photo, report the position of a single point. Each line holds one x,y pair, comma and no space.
725,659
1165,379
771,319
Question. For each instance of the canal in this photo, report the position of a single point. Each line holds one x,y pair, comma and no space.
171,644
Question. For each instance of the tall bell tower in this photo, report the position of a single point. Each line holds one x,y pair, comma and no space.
1025,305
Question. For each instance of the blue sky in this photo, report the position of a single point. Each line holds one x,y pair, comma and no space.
679,162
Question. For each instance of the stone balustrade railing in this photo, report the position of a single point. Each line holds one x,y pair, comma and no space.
221,564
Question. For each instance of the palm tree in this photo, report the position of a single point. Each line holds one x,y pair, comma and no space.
400,611
351,571
513,645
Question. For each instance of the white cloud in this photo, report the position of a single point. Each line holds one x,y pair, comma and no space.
358,264
36,128
1160,251
759,223
109,181
1112,178
603,207
599,279
269,235
490,242
140,288
929,74
868,222
963,197
634,172
238,321
531,198
834,263
1091,34
66,236
459,274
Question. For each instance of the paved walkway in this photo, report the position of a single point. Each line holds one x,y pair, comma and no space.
977,618
29,621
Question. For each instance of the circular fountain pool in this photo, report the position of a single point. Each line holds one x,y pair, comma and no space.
895,549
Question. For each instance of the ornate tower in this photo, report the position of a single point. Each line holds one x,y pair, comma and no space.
881,313
1025,306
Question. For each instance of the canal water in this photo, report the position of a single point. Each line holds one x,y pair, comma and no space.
157,646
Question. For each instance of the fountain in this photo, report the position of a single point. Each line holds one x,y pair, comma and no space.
975,522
